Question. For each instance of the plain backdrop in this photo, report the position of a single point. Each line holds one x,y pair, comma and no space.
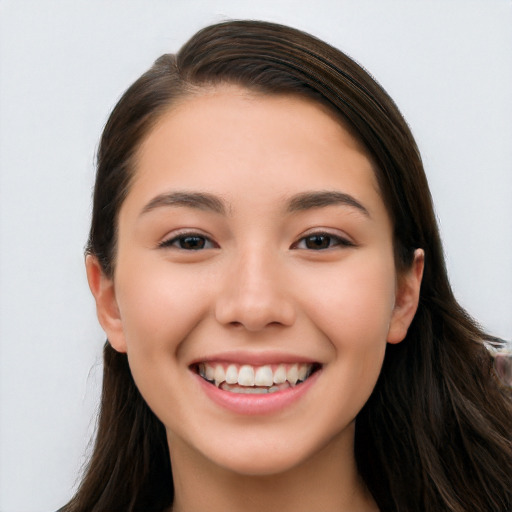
64,64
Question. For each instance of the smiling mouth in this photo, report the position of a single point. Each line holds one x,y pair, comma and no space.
251,379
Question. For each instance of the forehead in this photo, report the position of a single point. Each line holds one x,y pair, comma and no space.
231,141
248,109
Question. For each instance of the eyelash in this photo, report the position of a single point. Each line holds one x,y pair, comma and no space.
183,237
332,241
203,242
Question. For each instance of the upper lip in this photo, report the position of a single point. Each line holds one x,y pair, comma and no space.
254,358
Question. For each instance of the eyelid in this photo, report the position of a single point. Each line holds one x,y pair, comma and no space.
172,238
342,240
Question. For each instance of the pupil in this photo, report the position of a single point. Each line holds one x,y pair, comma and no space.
192,242
317,242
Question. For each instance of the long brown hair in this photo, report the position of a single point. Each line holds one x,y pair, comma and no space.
435,434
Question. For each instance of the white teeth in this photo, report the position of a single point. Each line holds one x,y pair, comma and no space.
292,375
219,375
246,375
255,390
280,374
232,374
264,376
210,372
303,371
250,376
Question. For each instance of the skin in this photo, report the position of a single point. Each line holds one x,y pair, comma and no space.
256,289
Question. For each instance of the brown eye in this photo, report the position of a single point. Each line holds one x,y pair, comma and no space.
322,241
317,242
192,243
189,242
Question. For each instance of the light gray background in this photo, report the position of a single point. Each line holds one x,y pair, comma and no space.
448,64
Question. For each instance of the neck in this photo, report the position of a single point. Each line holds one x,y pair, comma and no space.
327,481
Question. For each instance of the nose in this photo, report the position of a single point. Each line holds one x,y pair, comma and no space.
254,294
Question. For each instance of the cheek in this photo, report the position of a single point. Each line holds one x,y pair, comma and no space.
356,303
354,312
159,309
158,306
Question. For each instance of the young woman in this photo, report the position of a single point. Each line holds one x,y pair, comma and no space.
281,331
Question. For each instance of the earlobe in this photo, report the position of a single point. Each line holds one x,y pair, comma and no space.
407,299
103,290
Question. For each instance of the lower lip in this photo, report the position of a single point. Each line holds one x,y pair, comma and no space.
253,404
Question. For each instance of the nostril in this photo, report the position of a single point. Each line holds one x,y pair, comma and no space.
254,310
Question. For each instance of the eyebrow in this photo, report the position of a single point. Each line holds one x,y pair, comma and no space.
209,202
198,200
321,199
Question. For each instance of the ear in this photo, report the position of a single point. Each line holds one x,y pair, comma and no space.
103,290
407,298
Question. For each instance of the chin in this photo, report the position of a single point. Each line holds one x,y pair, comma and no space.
251,464
275,455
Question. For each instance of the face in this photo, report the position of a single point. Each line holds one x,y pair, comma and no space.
255,288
